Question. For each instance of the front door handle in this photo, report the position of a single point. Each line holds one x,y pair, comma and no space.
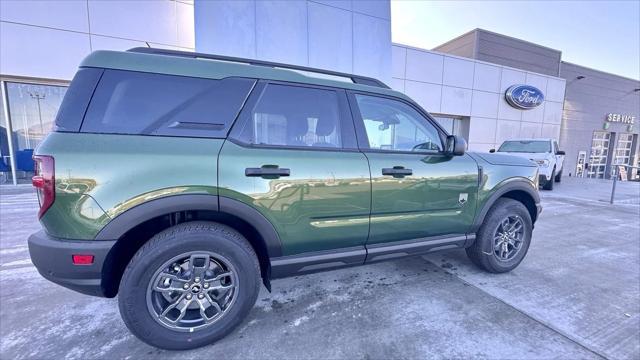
397,171
267,172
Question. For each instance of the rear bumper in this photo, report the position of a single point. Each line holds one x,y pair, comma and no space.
52,257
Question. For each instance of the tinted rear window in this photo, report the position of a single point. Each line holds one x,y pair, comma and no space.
76,99
127,102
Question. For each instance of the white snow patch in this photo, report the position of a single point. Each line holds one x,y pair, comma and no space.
104,349
13,250
314,306
249,324
265,306
18,262
300,320
344,297
76,353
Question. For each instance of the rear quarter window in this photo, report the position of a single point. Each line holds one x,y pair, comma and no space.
76,100
127,102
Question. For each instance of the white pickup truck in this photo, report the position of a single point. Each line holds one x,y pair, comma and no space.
544,152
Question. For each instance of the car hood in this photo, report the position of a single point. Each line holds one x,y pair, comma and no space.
530,156
506,159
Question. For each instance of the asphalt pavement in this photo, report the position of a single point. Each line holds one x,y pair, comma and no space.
576,295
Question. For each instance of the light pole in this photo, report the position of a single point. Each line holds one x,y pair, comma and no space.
38,97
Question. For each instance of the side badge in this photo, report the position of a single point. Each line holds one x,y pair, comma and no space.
462,199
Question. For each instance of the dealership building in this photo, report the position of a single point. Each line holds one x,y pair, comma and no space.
463,83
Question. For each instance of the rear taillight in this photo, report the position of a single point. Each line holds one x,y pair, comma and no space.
44,181
79,259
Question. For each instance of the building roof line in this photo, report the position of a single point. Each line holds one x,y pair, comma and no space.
600,71
477,30
476,61
517,39
456,38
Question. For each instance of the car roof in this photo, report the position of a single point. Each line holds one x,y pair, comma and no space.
171,63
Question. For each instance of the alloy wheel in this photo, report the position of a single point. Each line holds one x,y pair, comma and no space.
192,291
508,238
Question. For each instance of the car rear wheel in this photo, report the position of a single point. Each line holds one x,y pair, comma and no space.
504,237
189,286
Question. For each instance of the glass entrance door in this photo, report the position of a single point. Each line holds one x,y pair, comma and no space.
622,152
599,154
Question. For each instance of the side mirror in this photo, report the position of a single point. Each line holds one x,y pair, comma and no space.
560,152
492,150
456,145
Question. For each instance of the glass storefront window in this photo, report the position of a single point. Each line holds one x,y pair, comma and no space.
5,164
32,111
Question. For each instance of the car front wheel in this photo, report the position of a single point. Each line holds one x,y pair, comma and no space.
558,177
189,286
549,184
504,237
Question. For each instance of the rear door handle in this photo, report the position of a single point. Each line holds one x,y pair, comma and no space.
397,171
268,172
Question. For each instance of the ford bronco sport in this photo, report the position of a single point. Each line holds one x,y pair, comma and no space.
182,181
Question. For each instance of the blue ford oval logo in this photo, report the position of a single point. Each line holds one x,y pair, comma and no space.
524,96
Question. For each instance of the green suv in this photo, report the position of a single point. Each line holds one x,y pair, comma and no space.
183,181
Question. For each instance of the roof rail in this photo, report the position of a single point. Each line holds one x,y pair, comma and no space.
357,79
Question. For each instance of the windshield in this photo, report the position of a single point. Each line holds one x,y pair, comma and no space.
525,146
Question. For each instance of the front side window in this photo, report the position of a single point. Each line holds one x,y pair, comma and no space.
128,102
295,116
394,125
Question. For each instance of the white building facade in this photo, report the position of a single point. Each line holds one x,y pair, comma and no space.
47,39
468,96
344,35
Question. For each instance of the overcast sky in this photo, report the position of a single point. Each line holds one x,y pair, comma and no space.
603,35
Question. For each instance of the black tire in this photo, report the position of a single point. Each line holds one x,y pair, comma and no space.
183,239
482,251
558,177
549,184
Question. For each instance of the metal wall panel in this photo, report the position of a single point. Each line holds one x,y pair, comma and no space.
347,36
48,39
588,101
504,50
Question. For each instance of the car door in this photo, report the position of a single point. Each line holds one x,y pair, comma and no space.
418,191
292,155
